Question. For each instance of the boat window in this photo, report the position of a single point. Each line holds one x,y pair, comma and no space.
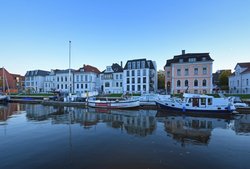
203,101
209,101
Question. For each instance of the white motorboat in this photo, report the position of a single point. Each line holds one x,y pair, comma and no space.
117,104
237,102
150,99
198,103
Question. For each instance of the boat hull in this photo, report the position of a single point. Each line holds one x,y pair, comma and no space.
114,104
193,110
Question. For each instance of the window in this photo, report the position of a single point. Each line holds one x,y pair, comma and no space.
66,86
82,77
106,84
120,76
117,84
138,80
128,88
144,72
195,83
86,86
139,87
168,73
186,83
138,73
204,59
204,91
196,71
186,72
77,86
138,64
238,83
203,101
192,59
133,73
143,64
178,91
133,80
61,86
120,84
58,86
196,91
61,79
129,65
204,71
133,87
117,77
180,60
66,79
204,82
178,83
209,101
178,72
128,81
86,78
81,86
58,79
133,65
144,87
144,79
77,78
127,72
247,82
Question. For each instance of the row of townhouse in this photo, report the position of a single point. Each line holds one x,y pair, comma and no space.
138,76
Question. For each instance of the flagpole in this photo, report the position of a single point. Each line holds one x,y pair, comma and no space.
69,67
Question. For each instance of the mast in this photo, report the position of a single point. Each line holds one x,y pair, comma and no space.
3,81
69,89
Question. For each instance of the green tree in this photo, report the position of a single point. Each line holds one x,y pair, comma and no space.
161,81
223,80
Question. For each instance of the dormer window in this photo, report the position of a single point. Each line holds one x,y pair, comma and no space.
204,59
129,65
180,60
192,59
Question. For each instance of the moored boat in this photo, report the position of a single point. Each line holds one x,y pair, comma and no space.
198,103
117,104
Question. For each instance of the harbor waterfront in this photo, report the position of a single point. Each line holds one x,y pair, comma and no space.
38,136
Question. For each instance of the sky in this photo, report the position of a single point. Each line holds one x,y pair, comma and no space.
35,34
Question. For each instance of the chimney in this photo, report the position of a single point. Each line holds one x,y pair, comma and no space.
183,52
121,64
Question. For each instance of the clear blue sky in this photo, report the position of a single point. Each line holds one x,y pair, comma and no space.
34,34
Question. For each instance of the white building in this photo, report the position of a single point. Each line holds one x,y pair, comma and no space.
111,79
49,83
63,80
140,76
34,80
239,82
85,79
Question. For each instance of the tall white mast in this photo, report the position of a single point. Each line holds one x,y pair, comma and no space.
3,81
69,67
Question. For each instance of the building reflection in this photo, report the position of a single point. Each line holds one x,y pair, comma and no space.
7,110
136,122
192,130
242,124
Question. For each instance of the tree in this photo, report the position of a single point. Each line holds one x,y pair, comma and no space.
161,81
223,80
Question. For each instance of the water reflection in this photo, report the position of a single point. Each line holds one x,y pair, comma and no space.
184,129
242,124
7,110
192,130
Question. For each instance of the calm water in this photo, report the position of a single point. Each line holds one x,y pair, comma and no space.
36,136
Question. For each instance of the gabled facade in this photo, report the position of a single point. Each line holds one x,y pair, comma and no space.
34,80
12,82
140,76
189,72
63,80
239,82
85,79
111,79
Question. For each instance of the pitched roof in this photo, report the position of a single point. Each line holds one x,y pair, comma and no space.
116,68
148,63
57,71
37,73
245,65
89,68
186,56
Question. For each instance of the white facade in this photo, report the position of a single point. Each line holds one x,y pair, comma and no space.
64,79
140,76
34,81
239,83
85,82
112,79
49,83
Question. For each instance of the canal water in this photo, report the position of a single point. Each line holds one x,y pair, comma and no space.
34,136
